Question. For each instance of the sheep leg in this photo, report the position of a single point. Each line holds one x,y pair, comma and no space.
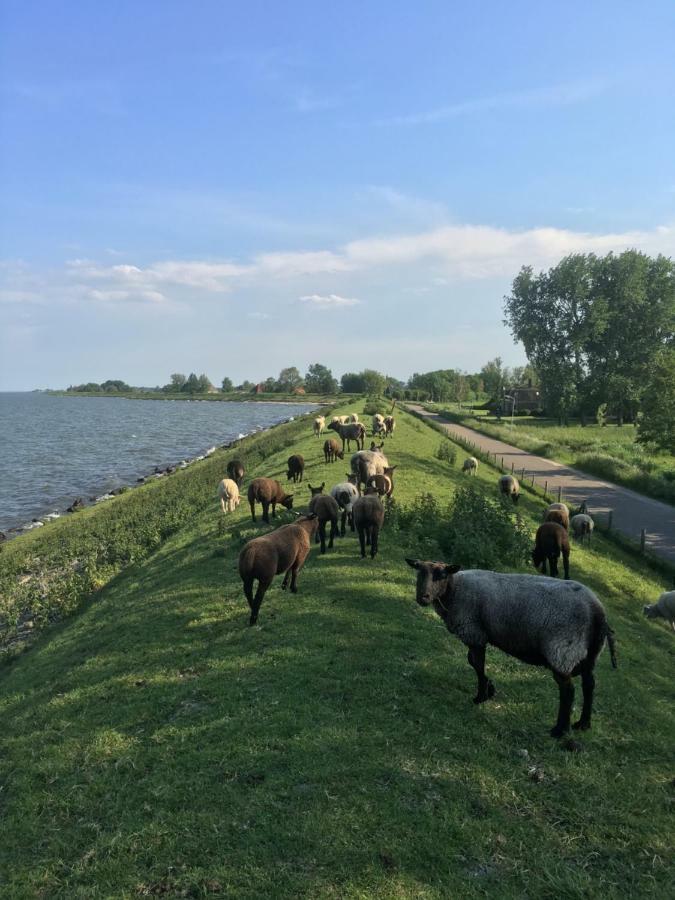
222,503
362,541
322,535
566,564
295,569
333,532
374,535
274,509
566,688
263,584
486,688
350,518
553,566
343,519
588,687
252,504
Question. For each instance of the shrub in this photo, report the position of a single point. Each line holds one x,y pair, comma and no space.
373,406
447,451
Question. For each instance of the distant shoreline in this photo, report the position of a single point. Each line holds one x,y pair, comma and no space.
318,399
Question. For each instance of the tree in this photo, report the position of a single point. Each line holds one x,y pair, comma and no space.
288,380
656,425
352,383
178,380
374,382
319,380
493,377
226,385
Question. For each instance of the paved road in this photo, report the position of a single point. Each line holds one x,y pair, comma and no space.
631,512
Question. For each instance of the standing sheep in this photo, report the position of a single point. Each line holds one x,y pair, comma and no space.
582,527
267,491
550,542
557,624
389,426
378,425
319,425
296,467
558,512
351,432
470,465
228,492
354,418
331,450
326,509
368,514
664,607
345,494
509,486
383,484
236,471
367,463
283,550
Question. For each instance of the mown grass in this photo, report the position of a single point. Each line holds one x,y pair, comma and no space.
154,744
604,450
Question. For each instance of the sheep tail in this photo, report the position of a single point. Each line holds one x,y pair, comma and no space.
611,643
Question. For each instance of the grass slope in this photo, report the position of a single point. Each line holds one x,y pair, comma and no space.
154,744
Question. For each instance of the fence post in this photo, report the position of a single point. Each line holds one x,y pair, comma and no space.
643,540
560,493
512,465
522,475
502,460
546,488
609,520
532,480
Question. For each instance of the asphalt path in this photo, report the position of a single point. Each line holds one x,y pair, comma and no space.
631,512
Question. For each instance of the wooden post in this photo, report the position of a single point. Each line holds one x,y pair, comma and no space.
522,475
560,493
532,480
546,488
643,540
609,520
512,465
502,460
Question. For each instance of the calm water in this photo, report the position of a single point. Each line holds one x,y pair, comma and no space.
55,449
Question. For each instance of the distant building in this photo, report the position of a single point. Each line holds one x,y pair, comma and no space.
299,390
259,389
525,398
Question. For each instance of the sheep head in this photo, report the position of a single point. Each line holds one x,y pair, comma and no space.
434,580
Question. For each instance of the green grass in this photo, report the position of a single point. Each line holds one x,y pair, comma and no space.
607,451
154,744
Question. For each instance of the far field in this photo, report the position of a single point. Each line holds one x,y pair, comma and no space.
155,745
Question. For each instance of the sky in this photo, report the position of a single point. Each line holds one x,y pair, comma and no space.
232,188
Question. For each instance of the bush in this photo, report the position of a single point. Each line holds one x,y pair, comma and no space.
447,451
372,406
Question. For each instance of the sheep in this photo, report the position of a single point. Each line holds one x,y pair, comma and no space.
367,463
508,485
326,509
558,512
352,432
228,492
267,491
383,484
470,465
664,607
378,425
282,550
582,526
376,448
345,494
339,420
236,471
550,542
331,450
557,624
353,418
319,425
389,426
296,467
368,514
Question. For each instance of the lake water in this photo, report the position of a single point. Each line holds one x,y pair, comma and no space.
55,449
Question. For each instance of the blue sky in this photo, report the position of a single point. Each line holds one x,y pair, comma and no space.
232,188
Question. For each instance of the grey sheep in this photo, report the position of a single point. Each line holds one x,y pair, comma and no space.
345,494
368,514
557,624
509,486
470,465
664,607
326,509
367,463
582,527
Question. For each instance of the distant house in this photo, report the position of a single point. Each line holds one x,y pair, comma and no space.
259,389
525,398
299,390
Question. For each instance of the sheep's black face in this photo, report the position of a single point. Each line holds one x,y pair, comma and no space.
650,612
432,580
288,502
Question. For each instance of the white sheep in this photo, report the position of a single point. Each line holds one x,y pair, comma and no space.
367,463
339,420
470,465
354,418
378,425
664,607
319,425
345,493
228,493
582,527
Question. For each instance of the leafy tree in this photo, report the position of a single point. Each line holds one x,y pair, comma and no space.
178,380
657,422
289,379
245,386
319,380
226,385
352,383
374,382
111,386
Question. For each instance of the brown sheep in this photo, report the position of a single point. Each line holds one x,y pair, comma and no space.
383,484
326,509
355,431
331,450
509,486
550,542
296,467
368,514
389,425
558,512
282,550
236,471
268,492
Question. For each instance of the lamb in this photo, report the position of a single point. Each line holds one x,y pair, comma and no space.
352,432
282,550
228,492
378,425
236,471
508,485
389,426
296,467
557,624
383,484
664,607
368,514
268,492
582,526
470,465
319,425
331,450
325,508
345,494
550,542
558,512
367,463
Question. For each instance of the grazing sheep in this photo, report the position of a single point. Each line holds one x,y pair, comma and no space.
389,426
236,471
296,467
326,509
355,431
582,526
470,465
268,492
228,492
367,463
345,494
508,485
378,425
319,425
557,624
383,484
550,542
664,607
368,514
558,512
331,450
282,550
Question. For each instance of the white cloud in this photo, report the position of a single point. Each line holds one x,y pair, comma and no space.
329,301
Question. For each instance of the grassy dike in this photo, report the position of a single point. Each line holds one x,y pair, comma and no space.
155,745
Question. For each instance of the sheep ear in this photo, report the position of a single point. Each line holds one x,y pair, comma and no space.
323,485
415,563
450,570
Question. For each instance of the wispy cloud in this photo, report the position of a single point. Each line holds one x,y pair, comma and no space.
328,301
554,95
